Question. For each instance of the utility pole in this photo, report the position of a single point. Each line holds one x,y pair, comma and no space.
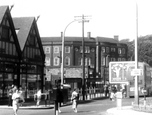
83,54
136,59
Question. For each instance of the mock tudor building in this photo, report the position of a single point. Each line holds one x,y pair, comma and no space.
21,54
32,55
98,53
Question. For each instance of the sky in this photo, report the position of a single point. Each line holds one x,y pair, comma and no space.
106,17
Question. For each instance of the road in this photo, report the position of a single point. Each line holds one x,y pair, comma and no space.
95,107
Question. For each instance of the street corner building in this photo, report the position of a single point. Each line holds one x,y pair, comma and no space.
21,54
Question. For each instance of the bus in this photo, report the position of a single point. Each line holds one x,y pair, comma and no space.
121,73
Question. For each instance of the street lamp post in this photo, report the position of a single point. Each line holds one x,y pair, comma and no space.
63,43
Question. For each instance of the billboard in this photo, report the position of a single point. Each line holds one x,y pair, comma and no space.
121,72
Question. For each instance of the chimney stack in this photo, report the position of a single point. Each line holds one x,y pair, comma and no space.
89,35
116,37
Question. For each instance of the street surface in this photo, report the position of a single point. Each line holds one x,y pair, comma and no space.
95,107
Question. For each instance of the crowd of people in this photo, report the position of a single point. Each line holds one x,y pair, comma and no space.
111,90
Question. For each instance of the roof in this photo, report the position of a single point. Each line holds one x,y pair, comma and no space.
23,24
2,12
68,39
106,39
59,39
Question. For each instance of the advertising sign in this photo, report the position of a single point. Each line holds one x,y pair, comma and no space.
122,72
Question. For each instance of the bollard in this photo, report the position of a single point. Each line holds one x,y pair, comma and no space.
119,100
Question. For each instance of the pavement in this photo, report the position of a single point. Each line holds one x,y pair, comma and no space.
125,110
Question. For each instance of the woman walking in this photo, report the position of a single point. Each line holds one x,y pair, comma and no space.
16,98
74,99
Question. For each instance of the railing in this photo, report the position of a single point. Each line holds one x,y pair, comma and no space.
92,93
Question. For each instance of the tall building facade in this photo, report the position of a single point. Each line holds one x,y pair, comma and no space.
98,52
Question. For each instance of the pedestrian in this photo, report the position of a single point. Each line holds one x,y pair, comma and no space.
21,96
74,99
37,96
59,97
16,98
106,90
10,93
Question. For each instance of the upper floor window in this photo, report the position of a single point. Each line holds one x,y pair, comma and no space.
56,49
103,61
113,49
107,49
123,51
87,49
103,49
67,61
80,61
47,50
56,61
67,49
123,59
5,33
119,59
87,61
47,61
119,51
113,59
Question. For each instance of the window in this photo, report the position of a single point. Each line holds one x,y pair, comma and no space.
87,49
119,59
107,49
67,49
119,51
31,40
67,61
113,59
103,49
123,59
87,61
103,61
47,61
113,49
17,30
5,33
56,49
123,51
80,61
47,50
56,61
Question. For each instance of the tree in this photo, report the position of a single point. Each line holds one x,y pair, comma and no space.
144,49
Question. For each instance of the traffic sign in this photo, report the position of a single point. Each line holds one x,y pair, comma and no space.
136,72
